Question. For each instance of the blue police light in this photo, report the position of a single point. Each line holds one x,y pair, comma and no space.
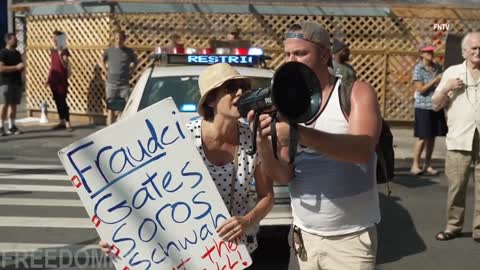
188,108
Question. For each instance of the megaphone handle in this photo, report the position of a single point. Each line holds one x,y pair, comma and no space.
273,133
292,146
254,137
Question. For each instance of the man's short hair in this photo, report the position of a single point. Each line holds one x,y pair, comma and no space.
120,32
58,33
8,36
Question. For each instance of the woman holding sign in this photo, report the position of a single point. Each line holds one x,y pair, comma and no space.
223,142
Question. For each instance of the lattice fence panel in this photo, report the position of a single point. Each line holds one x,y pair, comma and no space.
88,35
377,43
400,90
37,62
81,30
372,70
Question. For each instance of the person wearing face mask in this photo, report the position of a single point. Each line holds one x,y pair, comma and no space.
458,95
58,75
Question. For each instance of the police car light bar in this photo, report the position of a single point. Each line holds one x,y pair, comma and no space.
199,59
190,56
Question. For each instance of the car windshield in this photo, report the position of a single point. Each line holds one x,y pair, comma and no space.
183,90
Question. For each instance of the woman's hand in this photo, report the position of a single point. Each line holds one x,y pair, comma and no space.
233,228
105,247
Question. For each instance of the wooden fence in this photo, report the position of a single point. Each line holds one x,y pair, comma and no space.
383,49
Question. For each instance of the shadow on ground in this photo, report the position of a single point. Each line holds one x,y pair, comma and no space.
397,235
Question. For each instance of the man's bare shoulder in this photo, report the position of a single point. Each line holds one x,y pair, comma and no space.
361,89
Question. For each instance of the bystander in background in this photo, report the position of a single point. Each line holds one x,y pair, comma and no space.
341,55
119,61
428,123
457,93
11,85
58,78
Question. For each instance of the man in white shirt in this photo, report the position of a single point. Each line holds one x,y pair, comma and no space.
332,183
458,94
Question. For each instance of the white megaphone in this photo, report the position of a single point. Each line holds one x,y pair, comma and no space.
44,112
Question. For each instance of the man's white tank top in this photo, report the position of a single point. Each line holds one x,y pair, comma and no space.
329,197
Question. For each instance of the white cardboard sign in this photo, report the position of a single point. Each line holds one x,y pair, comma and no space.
149,194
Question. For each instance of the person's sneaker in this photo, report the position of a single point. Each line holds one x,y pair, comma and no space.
14,130
3,132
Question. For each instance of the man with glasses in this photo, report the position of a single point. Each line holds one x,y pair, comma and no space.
458,94
332,181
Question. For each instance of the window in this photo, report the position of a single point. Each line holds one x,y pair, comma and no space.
183,90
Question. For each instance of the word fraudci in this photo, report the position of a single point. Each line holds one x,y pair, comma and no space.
156,207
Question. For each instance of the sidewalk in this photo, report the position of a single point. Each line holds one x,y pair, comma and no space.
52,141
403,143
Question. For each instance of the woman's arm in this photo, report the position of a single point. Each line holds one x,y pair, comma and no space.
424,87
264,189
235,227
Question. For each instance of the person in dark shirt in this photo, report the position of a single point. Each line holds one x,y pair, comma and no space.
119,61
11,85
58,78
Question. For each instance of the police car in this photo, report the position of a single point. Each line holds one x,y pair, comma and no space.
176,75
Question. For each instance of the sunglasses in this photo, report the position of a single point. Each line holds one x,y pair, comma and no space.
233,86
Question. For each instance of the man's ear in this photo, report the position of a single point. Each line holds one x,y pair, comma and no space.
326,55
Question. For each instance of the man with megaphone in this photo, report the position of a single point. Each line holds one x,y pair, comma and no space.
332,180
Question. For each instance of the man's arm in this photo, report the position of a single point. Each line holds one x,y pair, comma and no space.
7,69
441,97
364,130
277,169
357,146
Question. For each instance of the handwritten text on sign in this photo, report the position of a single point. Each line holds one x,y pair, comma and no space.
149,195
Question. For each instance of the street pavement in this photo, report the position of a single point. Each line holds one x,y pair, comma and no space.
42,218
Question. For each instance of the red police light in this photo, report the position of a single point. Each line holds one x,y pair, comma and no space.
240,51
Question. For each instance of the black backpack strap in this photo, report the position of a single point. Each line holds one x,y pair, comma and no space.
345,94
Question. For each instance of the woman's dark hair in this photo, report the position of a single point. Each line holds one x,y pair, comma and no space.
8,36
208,111
58,33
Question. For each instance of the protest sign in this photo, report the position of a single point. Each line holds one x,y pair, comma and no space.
149,194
